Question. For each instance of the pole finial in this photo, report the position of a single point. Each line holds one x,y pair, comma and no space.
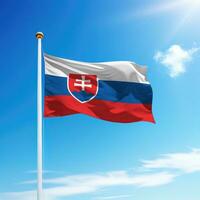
39,35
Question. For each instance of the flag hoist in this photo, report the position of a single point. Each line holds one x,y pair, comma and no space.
39,36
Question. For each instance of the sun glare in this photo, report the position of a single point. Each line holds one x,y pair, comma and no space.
194,4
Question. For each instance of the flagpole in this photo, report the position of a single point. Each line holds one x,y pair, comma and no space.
39,36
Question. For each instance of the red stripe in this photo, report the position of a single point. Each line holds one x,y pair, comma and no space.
106,110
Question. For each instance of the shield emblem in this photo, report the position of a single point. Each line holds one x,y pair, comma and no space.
82,87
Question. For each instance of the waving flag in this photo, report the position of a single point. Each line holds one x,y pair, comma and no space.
112,91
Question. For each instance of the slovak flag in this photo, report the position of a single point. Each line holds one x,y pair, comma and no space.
113,91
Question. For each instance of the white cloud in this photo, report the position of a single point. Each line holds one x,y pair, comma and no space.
113,197
185,162
28,195
89,183
175,59
44,171
114,178
169,166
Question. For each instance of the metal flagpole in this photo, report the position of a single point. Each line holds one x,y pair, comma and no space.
39,36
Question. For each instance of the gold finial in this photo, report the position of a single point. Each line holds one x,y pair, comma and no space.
39,35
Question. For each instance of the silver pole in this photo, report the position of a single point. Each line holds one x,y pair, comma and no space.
39,36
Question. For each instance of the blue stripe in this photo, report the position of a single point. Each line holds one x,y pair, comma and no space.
116,91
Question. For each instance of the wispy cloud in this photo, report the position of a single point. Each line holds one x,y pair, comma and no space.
112,197
185,162
27,195
156,172
89,183
175,59
44,171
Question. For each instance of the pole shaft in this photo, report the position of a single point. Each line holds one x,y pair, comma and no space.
39,120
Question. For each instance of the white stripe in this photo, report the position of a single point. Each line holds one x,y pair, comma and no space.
113,71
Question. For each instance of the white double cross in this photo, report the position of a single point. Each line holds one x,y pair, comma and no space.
83,83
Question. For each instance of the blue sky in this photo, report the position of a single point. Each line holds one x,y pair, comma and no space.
86,158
